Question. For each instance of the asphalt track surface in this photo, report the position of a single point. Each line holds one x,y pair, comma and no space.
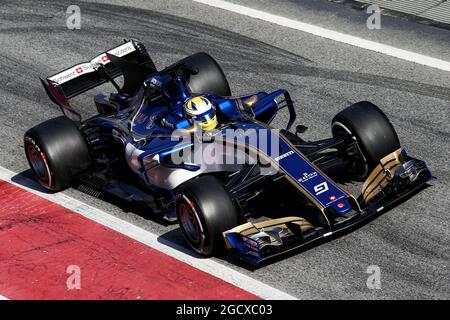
410,243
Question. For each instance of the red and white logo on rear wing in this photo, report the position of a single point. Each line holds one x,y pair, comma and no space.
87,67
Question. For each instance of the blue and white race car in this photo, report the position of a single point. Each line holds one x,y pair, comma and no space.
177,142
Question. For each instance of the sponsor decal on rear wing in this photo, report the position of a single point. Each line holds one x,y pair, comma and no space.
84,76
91,66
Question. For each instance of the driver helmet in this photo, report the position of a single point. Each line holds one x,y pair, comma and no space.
201,111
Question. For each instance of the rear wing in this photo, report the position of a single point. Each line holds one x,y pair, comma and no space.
82,77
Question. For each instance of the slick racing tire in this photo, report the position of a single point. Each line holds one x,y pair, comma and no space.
374,134
205,210
210,78
56,152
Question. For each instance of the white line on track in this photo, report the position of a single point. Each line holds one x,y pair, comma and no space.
3,297
148,238
330,34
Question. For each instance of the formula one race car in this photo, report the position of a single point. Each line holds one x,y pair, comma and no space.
177,142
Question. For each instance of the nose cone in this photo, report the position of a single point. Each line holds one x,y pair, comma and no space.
342,206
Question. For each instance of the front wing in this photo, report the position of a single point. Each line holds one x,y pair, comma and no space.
397,177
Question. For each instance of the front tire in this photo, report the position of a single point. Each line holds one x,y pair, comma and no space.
56,152
205,210
210,78
375,136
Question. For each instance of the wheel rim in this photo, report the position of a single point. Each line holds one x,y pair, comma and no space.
38,163
360,169
359,164
190,223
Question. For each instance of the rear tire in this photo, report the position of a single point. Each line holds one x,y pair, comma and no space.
374,134
56,152
205,210
210,78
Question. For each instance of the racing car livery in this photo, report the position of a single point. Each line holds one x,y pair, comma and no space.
177,142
